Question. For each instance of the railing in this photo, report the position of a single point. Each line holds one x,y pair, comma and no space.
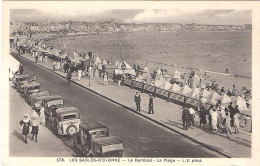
169,96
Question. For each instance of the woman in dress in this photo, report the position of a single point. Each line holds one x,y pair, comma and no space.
202,116
42,116
214,116
25,123
35,127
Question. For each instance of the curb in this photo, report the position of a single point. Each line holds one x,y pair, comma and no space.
130,109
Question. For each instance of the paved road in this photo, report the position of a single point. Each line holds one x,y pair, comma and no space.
142,138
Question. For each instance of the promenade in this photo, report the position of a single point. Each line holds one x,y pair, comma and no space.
40,149
167,114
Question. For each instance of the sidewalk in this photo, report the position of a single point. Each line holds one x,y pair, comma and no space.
48,144
168,115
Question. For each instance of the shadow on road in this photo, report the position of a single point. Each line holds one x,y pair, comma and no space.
18,135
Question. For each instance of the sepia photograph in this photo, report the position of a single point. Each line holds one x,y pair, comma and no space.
135,83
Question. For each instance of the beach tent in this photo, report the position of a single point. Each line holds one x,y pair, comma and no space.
118,71
213,98
176,88
127,66
205,93
146,70
105,62
177,75
195,93
140,78
186,90
117,63
159,82
98,61
240,102
225,99
167,85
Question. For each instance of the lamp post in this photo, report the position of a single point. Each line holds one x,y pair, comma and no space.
90,56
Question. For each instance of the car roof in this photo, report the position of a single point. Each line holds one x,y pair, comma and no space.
22,76
107,140
50,98
66,110
90,125
32,84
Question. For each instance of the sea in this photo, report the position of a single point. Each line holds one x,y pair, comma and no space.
201,51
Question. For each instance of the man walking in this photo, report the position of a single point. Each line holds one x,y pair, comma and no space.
185,117
137,101
192,116
151,111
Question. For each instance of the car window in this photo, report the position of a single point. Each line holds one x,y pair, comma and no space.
69,116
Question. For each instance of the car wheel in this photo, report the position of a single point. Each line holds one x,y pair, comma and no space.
71,130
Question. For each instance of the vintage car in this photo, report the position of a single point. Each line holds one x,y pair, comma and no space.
29,89
93,140
65,120
20,80
35,99
50,102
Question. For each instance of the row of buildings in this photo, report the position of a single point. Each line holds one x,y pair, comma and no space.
112,27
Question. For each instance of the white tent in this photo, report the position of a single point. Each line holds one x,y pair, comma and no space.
98,61
159,82
205,93
127,66
195,93
225,99
176,88
105,62
117,63
186,90
240,102
167,85
213,98
177,75
146,69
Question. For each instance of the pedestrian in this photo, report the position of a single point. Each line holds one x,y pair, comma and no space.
137,99
236,119
42,116
54,65
214,116
36,57
105,79
192,117
202,116
35,128
151,110
34,78
21,69
210,110
25,123
119,78
79,73
185,117
228,125
68,77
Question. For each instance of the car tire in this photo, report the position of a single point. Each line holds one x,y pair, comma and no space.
71,130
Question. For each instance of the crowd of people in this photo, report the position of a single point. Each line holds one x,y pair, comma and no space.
220,119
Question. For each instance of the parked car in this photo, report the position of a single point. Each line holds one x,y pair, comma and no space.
29,89
35,99
49,102
20,80
65,120
93,140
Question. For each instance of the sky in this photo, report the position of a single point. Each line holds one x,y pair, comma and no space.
136,16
